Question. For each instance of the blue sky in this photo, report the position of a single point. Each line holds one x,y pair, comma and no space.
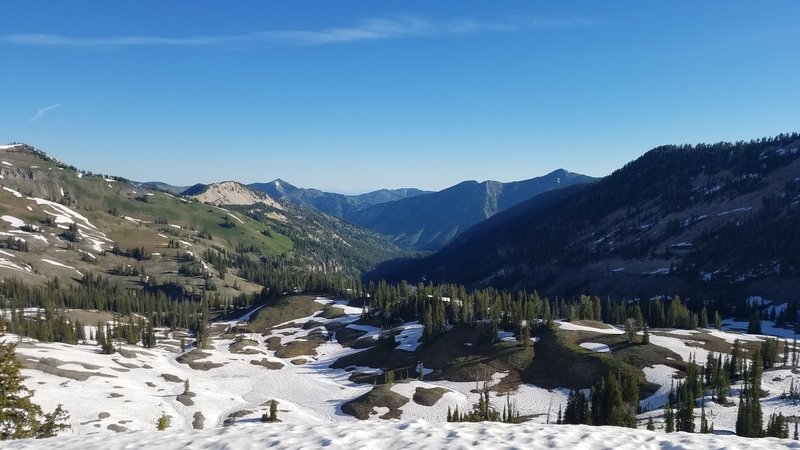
351,96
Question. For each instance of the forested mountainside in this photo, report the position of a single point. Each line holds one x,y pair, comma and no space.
430,221
338,205
713,219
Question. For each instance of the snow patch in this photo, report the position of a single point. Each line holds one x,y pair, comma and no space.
16,223
596,347
16,194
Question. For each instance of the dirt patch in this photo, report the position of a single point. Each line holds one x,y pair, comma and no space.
311,324
298,361
186,398
239,344
51,366
192,359
380,396
264,362
273,343
171,378
199,420
119,369
126,365
150,384
332,312
115,395
103,415
428,396
305,347
231,419
347,337
285,309
117,428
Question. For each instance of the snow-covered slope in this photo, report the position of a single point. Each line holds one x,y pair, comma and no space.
232,383
411,435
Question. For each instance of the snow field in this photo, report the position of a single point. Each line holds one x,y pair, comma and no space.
410,435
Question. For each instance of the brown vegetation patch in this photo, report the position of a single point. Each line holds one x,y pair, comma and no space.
264,362
428,396
192,359
380,396
285,309
239,346
348,337
306,347
51,366
186,398
171,378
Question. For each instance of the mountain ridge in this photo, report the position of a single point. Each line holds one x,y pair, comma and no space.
339,205
430,221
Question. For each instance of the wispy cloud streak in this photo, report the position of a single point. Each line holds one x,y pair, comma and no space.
44,111
368,29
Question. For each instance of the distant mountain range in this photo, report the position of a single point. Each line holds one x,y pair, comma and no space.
161,186
715,220
339,205
430,221
413,219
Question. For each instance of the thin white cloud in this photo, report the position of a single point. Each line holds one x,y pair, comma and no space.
367,29
44,111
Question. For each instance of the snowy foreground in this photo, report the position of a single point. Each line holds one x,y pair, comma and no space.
419,434
110,396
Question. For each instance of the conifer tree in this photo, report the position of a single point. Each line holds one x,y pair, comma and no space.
669,418
19,416
162,422
704,428
650,425
273,411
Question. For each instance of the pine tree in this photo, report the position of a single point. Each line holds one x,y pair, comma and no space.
19,416
717,320
273,411
186,386
703,317
669,418
650,425
162,422
449,415
785,353
427,330
703,421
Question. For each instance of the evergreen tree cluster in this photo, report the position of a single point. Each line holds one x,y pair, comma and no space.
20,418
